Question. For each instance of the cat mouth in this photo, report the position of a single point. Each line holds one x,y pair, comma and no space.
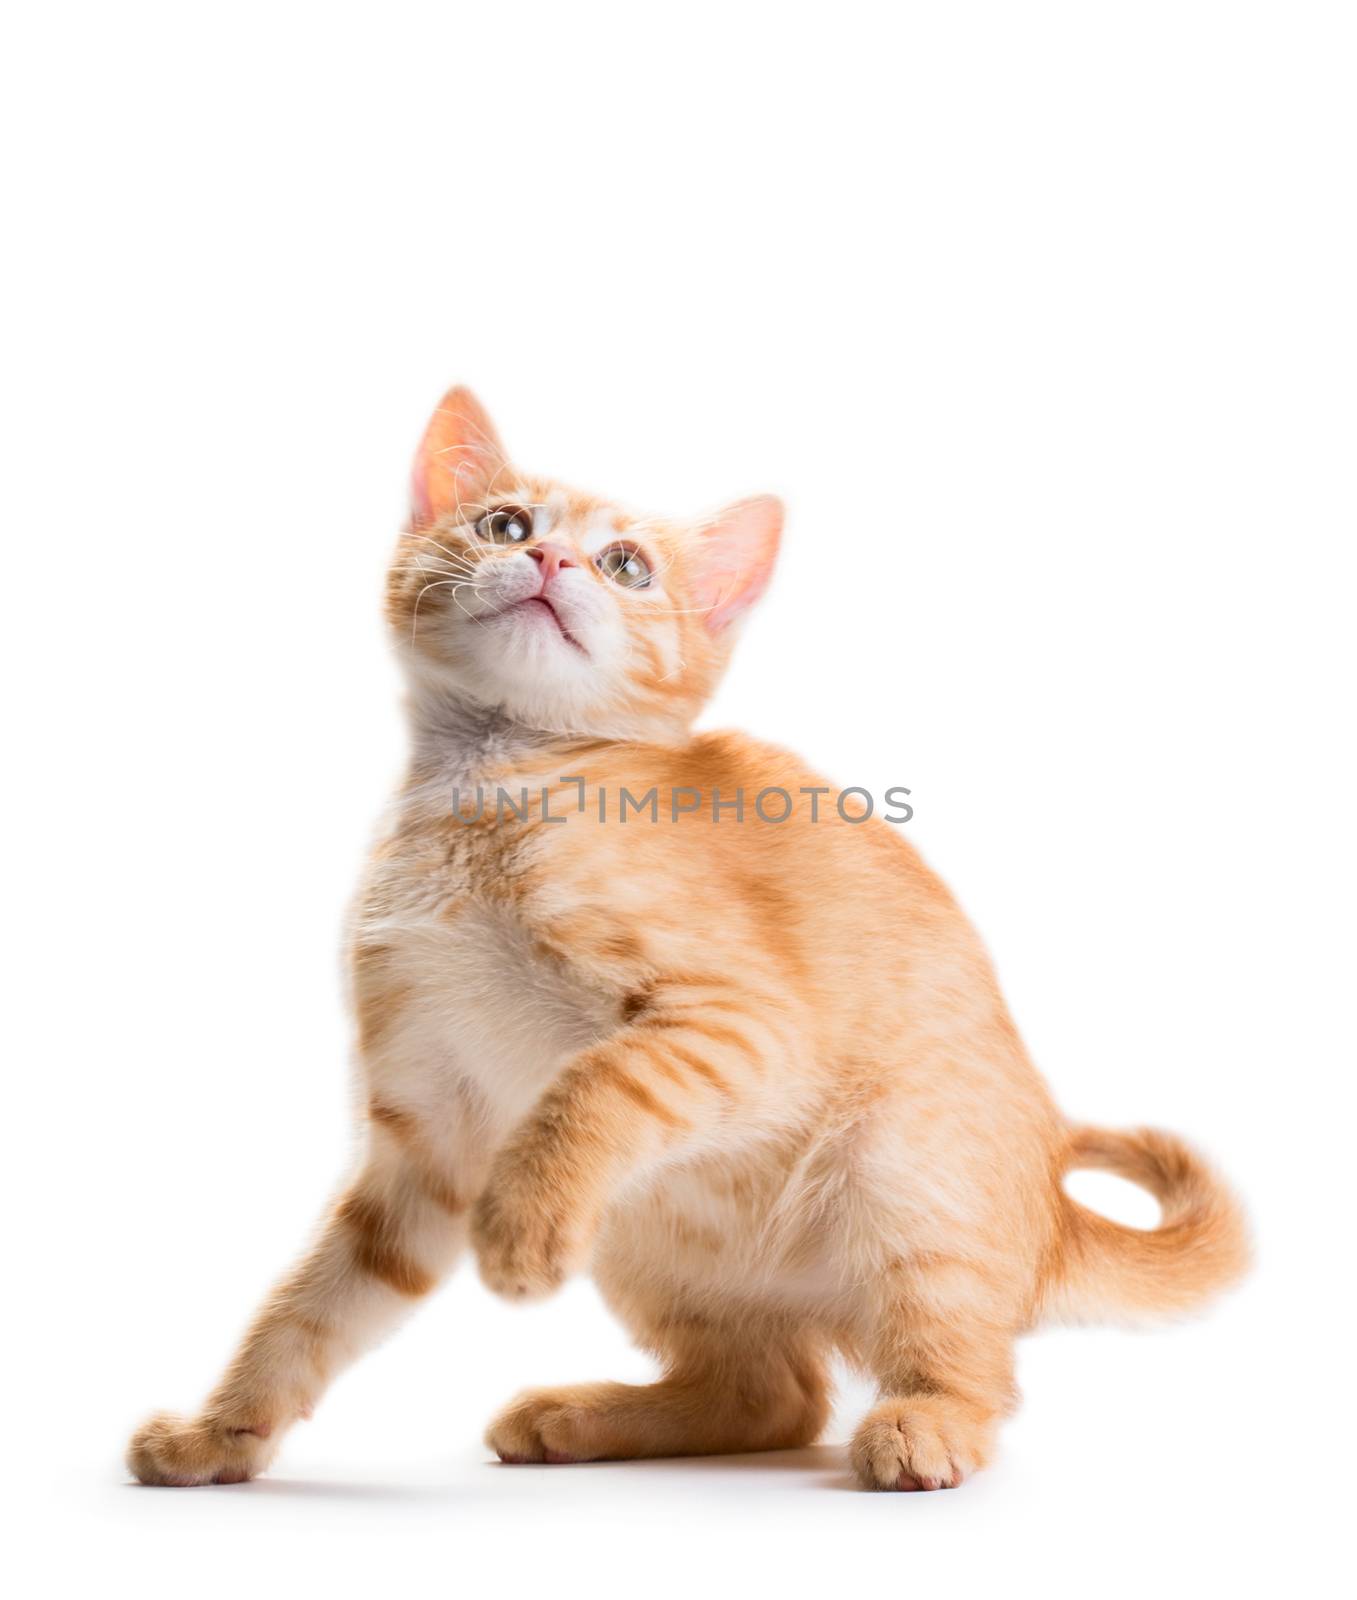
540,602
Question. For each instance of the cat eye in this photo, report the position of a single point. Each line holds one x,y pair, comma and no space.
626,565
506,525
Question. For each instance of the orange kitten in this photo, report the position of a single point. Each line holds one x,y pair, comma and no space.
672,1048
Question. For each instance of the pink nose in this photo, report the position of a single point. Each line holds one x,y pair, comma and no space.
550,557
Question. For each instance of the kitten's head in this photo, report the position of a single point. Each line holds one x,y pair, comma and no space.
564,611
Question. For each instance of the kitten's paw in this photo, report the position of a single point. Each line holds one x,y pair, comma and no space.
919,1442
541,1425
526,1245
179,1453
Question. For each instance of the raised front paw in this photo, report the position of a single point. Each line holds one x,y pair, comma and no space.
919,1442
527,1237
178,1453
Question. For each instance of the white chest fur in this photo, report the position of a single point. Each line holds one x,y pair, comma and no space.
486,1019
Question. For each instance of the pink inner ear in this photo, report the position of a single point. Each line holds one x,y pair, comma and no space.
736,559
458,460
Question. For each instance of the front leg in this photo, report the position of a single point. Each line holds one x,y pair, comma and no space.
655,1088
392,1236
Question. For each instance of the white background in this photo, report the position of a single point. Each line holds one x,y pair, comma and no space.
1041,318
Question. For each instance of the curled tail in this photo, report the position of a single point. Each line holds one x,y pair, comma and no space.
1106,1272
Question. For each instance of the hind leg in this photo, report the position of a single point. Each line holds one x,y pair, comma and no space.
726,1388
944,1362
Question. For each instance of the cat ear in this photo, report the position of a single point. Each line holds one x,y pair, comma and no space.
735,559
458,460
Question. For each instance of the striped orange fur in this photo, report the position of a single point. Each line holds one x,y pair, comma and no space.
757,1077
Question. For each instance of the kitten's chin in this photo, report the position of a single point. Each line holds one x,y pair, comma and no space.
466,702
533,624
554,671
